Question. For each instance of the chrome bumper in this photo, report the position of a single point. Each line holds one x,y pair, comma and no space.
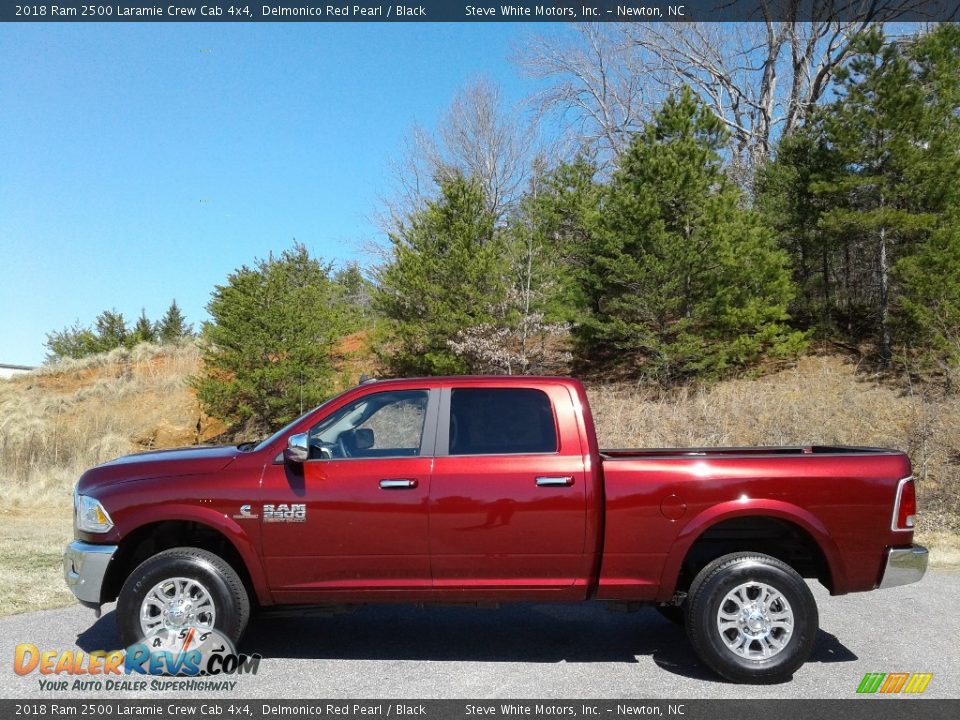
904,566
84,566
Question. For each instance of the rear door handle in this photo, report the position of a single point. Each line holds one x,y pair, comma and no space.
555,481
397,484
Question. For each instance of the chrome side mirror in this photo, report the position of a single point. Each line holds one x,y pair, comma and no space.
298,448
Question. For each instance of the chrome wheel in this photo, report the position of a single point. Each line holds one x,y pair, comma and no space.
176,604
755,621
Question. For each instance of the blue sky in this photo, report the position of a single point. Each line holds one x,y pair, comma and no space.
143,162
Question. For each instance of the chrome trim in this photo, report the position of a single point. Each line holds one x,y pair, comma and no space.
175,604
298,448
397,484
84,567
755,621
560,481
904,566
896,507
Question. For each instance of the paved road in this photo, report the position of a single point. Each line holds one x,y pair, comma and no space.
539,651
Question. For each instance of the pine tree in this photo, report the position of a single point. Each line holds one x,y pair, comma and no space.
783,197
173,326
111,330
75,342
446,276
555,220
928,318
868,181
679,279
269,342
143,331
356,289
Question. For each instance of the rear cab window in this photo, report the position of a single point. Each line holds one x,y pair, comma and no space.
501,421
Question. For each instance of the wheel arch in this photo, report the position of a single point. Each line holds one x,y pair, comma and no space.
775,528
186,529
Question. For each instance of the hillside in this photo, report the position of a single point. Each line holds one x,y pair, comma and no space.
64,418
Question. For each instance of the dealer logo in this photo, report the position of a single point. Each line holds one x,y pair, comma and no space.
894,683
191,651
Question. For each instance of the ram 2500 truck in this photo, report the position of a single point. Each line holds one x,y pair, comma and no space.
493,489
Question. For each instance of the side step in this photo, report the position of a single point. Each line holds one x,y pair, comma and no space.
289,611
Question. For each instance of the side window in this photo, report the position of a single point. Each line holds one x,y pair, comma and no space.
387,424
499,421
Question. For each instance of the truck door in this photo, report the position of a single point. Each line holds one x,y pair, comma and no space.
354,520
508,494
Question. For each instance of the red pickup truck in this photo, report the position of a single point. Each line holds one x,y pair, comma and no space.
493,489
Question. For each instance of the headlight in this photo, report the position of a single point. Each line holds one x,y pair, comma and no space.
90,516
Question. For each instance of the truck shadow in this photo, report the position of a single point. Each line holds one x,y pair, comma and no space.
533,633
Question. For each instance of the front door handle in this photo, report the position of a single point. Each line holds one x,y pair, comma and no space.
555,481
397,484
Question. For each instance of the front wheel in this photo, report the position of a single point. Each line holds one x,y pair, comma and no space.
751,618
178,589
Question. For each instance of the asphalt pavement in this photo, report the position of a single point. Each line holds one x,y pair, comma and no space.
534,651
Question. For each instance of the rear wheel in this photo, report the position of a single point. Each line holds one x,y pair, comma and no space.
178,589
751,618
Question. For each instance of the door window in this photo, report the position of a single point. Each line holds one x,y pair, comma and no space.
387,424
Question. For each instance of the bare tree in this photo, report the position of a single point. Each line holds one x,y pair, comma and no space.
597,82
761,78
478,137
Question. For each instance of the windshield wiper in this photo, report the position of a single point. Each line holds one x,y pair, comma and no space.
247,446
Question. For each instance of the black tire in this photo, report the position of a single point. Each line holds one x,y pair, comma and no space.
227,590
710,588
674,613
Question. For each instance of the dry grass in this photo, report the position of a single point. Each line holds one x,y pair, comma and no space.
31,561
62,419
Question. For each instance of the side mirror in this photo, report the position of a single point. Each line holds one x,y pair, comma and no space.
298,448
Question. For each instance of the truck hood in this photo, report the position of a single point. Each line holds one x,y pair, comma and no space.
159,463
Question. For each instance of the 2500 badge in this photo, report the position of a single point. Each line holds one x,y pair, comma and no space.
295,512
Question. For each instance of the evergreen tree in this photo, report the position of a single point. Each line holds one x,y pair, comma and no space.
868,181
111,330
173,326
446,276
356,289
72,342
928,318
143,330
267,347
784,199
555,221
679,279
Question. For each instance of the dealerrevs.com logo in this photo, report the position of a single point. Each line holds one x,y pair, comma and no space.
894,683
187,654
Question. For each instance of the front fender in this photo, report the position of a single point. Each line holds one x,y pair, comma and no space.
213,519
749,508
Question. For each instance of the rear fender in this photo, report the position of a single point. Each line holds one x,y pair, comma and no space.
749,508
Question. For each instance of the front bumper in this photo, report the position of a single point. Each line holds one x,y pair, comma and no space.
84,567
904,566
